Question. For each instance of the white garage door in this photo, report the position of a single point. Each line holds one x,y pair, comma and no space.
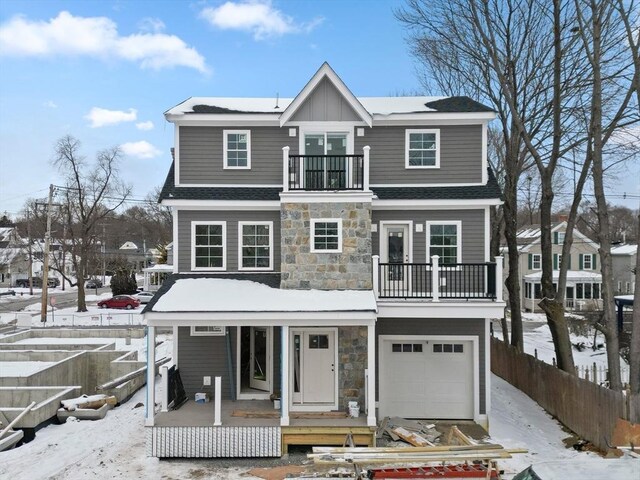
426,378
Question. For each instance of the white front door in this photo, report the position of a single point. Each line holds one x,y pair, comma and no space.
314,367
395,248
260,373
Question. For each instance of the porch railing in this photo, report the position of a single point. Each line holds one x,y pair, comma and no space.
319,173
464,281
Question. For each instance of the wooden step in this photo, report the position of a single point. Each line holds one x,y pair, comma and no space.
312,435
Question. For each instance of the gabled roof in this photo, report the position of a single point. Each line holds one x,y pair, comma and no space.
624,250
529,236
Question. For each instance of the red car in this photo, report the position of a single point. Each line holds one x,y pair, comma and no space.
120,301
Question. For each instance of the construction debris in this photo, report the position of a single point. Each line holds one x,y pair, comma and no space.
411,437
415,432
85,402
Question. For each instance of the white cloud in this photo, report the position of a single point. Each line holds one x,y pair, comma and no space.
148,125
256,16
150,24
101,117
50,104
96,37
141,149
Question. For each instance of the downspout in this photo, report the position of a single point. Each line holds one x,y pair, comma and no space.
230,365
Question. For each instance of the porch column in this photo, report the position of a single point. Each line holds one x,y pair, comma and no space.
371,366
175,346
435,278
365,168
151,376
284,380
499,272
285,169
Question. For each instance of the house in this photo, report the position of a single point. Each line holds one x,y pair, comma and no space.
584,281
329,250
623,259
14,259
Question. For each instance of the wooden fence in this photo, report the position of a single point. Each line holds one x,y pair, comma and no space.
584,407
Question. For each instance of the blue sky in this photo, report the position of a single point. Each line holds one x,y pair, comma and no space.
105,71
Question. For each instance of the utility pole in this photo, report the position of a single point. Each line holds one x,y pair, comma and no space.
45,260
103,249
30,269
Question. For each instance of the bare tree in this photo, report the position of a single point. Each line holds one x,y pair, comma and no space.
91,192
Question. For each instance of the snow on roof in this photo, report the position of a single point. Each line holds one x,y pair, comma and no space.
625,297
624,250
229,295
159,267
129,246
571,275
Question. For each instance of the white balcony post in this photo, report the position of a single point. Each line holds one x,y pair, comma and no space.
284,381
376,274
365,168
285,169
217,402
499,266
151,376
371,367
435,278
164,382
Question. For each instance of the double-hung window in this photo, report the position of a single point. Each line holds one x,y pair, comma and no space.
326,235
255,245
422,148
536,261
444,239
237,149
208,245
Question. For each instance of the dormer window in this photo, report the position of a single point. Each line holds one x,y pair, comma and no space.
237,149
422,148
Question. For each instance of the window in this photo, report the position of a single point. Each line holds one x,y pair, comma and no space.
596,290
326,235
208,245
560,238
448,348
255,245
207,330
406,348
536,261
579,290
527,290
422,149
537,290
628,287
317,342
443,239
586,262
237,149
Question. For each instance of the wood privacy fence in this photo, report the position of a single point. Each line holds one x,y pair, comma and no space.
586,408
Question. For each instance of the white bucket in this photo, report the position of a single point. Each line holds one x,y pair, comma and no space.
276,404
354,409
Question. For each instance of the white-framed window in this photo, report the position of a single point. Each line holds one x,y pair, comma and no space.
628,287
255,245
561,238
237,149
326,235
208,245
422,148
586,262
207,331
536,261
445,240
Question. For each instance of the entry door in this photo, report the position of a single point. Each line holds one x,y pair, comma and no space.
314,367
260,374
395,250
325,167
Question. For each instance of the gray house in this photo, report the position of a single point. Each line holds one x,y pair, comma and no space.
623,258
329,251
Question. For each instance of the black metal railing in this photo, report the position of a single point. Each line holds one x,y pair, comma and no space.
326,172
464,281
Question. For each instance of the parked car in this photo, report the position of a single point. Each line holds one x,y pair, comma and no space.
94,283
120,301
144,297
53,282
24,282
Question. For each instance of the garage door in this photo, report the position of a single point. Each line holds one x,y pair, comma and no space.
426,378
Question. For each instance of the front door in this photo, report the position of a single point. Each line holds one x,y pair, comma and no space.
260,374
314,368
395,250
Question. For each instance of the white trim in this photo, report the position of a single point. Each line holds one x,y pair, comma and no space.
220,331
475,342
240,245
325,71
412,185
458,224
193,246
433,204
370,384
174,357
150,404
312,237
487,234
326,197
382,239
487,366
225,146
251,205
232,185
484,154
533,261
441,309
270,362
285,392
174,226
325,128
176,154
584,257
407,135
433,118
292,319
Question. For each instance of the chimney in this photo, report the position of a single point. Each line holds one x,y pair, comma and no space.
173,154
563,217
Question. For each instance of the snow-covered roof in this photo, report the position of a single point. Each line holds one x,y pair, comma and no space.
159,267
230,295
624,250
573,275
129,246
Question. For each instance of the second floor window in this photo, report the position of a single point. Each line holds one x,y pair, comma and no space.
237,149
208,246
326,235
536,261
422,149
443,239
256,239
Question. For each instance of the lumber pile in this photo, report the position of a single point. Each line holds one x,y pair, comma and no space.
414,432
88,402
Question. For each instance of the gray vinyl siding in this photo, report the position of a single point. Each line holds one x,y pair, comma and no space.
460,155
201,156
473,231
446,326
325,103
185,217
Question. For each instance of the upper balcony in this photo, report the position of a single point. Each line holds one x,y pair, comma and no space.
325,173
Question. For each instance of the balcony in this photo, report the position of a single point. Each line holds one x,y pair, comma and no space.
435,282
325,173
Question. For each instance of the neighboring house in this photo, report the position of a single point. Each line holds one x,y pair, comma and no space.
624,259
328,249
584,281
14,259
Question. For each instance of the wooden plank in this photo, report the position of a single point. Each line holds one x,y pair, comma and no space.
276,414
393,436
436,448
326,429
412,437
381,429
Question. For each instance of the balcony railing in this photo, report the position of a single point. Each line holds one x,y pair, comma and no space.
461,281
319,173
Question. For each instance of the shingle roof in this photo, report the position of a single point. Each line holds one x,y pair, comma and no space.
458,105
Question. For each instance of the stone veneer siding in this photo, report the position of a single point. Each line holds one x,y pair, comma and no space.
352,356
348,270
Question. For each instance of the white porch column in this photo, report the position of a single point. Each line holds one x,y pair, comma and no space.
375,273
371,366
365,168
175,346
284,381
151,376
285,169
164,387
435,278
217,403
499,266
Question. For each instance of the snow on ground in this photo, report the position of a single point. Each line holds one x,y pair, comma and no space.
69,317
22,369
